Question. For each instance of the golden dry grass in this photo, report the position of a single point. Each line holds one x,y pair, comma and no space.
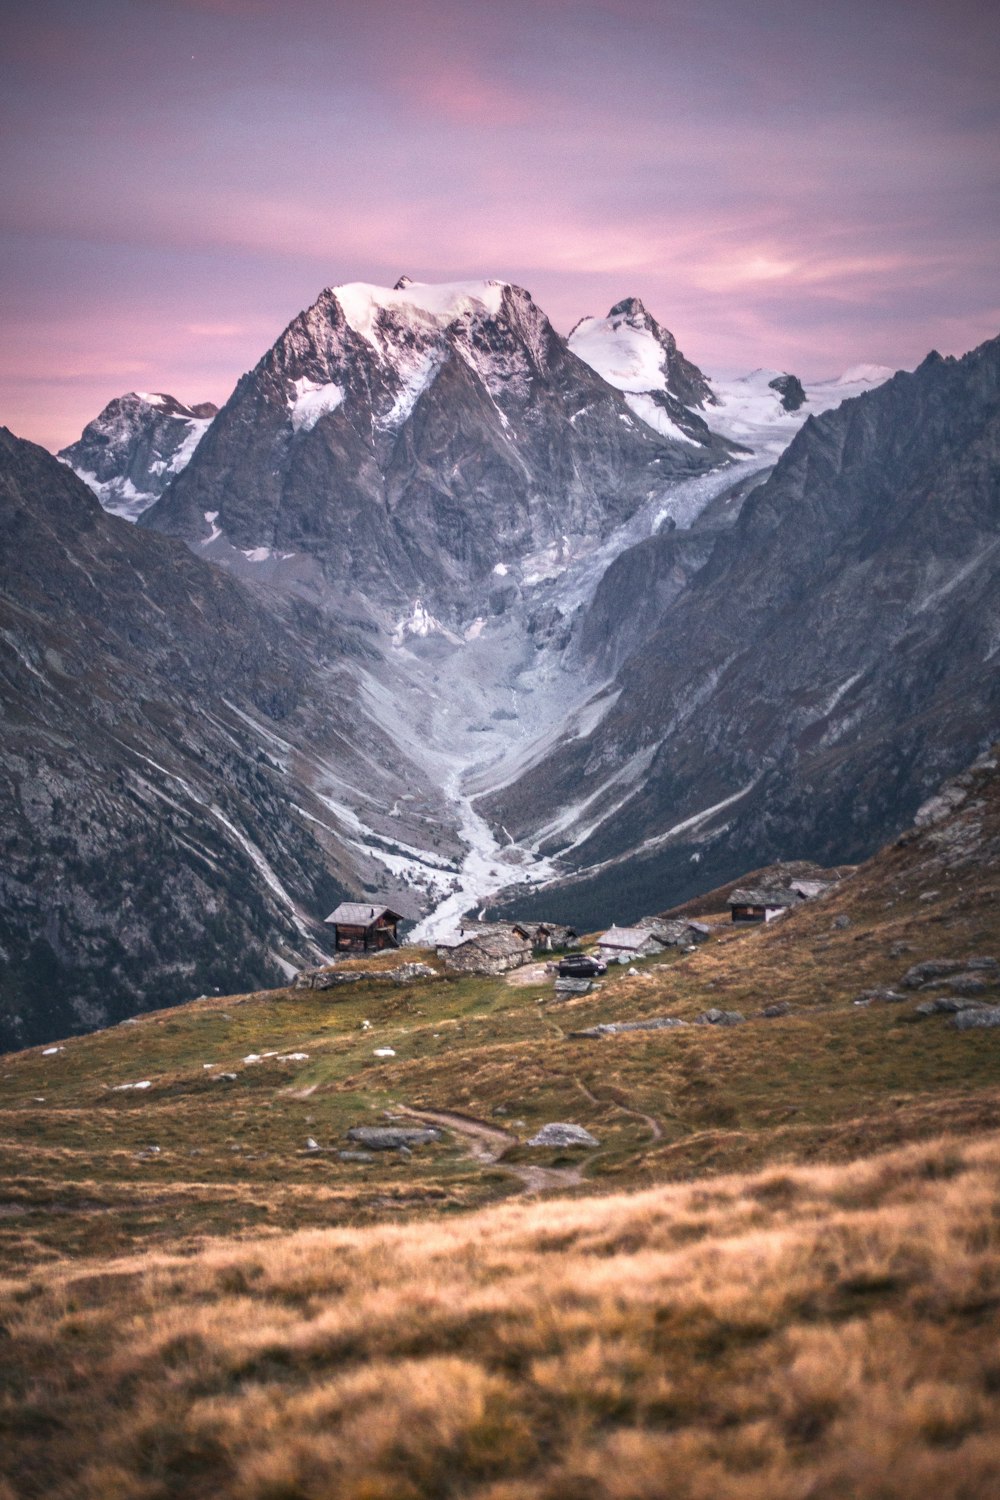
234,1316
814,1332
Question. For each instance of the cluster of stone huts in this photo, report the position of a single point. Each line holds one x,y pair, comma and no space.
496,947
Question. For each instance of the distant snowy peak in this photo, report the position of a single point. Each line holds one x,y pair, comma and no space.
632,352
129,453
754,409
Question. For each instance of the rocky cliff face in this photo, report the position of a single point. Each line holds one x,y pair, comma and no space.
838,653
130,452
176,760
412,440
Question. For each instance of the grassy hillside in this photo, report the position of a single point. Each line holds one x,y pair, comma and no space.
776,1275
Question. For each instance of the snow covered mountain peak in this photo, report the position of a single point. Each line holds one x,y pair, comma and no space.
128,454
632,352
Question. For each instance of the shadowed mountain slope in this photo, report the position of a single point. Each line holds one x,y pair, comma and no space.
835,656
160,734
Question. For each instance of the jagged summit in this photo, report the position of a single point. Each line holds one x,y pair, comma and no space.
629,307
129,453
634,353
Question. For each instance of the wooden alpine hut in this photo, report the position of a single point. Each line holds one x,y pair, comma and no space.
361,928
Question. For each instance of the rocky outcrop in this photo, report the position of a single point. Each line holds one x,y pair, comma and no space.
790,389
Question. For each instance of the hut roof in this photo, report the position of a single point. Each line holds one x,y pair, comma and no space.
496,942
625,937
758,896
361,914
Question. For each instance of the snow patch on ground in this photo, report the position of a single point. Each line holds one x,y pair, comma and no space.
420,623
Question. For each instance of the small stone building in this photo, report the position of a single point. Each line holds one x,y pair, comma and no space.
762,904
361,928
627,942
552,937
484,949
676,932
754,904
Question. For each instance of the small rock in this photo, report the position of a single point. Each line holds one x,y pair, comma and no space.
224,1078
311,1145
392,1137
50,1051
715,1017
573,987
633,970
563,1135
842,922
781,1008
982,963
147,1152
384,1052
355,1156
884,996
976,1018
930,969
928,895
898,949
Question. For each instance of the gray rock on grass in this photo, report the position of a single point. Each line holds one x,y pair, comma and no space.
976,1018
392,1137
931,969
560,1134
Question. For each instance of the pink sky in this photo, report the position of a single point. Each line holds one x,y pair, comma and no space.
783,182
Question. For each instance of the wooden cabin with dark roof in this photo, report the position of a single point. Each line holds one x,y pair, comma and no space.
361,928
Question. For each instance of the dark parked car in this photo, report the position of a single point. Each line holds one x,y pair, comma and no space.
580,966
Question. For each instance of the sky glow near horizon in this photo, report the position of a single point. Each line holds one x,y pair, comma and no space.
785,183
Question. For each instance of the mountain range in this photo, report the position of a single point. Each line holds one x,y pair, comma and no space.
445,606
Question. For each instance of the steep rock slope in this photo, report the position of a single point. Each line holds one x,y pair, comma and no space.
175,767
130,452
412,440
837,654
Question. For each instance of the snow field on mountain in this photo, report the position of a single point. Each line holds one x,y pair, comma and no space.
628,358
436,304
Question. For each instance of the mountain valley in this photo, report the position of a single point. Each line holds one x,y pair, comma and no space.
560,625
